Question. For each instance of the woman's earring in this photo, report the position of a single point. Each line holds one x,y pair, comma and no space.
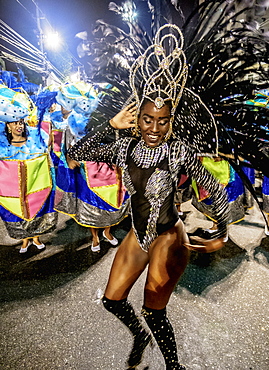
169,132
9,130
136,128
22,123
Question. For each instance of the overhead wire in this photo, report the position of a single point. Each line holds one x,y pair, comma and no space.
15,35
45,18
13,58
26,49
10,36
38,63
25,8
20,56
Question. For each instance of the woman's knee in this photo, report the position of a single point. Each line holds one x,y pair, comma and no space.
165,269
155,299
158,290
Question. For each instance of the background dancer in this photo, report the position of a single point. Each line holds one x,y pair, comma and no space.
26,205
91,193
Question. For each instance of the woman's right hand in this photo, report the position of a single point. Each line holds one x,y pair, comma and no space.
72,163
125,118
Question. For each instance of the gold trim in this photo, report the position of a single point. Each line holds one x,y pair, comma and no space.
73,216
230,223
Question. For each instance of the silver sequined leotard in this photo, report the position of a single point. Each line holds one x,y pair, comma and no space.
152,187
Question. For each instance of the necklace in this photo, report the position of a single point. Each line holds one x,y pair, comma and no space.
145,157
18,142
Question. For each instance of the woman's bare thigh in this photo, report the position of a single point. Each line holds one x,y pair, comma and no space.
168,259
129,262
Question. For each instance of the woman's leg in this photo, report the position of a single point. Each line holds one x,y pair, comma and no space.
130,261
38,243
95,237
107,232
168,259
95,245
24,247
36,240
109,237
25,243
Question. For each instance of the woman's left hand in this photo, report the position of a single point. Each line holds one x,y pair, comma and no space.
201,245
72,163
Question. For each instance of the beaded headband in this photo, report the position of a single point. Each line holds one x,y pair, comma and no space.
162,70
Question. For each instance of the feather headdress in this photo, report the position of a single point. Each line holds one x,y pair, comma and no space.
227,56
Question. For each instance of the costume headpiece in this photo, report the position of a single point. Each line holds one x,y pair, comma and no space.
80,96
159,75
162,69
13,105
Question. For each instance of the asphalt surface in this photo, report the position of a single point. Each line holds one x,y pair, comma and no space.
51,317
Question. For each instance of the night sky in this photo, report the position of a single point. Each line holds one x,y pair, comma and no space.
67,17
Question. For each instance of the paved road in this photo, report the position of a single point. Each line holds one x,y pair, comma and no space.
51,319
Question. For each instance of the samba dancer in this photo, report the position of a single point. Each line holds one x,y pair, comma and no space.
26,181
91,193
152,165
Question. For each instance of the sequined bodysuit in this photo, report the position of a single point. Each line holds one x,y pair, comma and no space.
152,188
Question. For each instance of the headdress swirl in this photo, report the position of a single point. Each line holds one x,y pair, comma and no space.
161,71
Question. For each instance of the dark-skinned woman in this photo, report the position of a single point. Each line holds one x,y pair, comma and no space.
152,165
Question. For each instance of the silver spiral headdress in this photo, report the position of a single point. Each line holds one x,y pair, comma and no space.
159,75
162,69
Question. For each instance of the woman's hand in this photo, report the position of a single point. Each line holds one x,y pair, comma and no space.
72,163
125,118
201,245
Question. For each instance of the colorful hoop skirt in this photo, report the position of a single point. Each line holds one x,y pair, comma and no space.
239,198
92,194
27,196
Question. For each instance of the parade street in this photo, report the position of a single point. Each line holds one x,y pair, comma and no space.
52,318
